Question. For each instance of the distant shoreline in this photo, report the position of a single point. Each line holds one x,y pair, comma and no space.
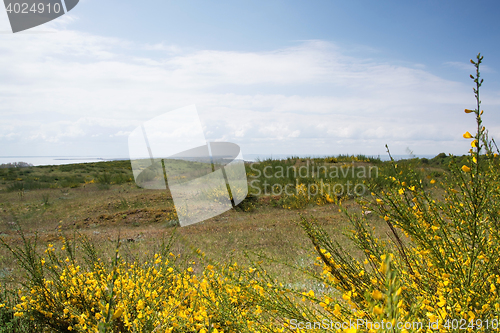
53,160
62,160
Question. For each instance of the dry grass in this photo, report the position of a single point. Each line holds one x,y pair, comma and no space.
143,218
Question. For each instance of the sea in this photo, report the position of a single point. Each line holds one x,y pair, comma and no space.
53,160
61,160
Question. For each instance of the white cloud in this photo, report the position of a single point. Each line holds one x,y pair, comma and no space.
71,88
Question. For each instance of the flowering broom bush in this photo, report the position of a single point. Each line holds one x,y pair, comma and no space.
442,267
60,294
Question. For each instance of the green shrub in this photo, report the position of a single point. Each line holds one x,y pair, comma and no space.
23,186
103,178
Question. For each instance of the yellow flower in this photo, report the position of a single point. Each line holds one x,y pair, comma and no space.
465,168
378,310
118,313
336,310
474,143
468,111
467,135
432,317
471,314
433,181
377,295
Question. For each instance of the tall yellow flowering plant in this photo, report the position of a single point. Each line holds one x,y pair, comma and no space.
441,267
65,293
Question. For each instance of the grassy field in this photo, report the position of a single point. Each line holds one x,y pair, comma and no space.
101,203
88,210
100,200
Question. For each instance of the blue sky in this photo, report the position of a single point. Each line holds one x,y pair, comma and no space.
275,77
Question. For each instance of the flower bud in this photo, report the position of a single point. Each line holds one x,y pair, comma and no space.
467,135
